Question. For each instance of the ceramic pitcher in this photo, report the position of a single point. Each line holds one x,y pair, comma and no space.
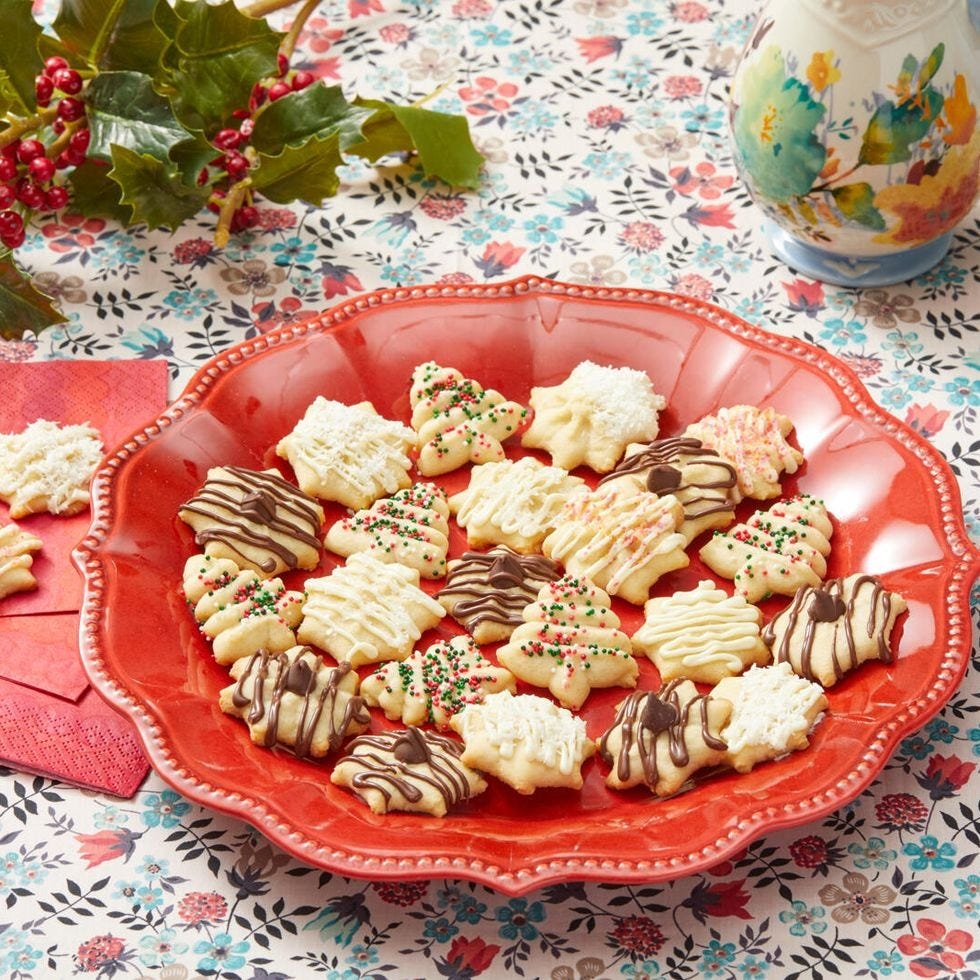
855,129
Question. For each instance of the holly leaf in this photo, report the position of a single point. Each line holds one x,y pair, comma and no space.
191,155
319,110
94,193
124,110
154,190
856,202
894,129
22,307
306,173
19,58
221,54
442,141
112,35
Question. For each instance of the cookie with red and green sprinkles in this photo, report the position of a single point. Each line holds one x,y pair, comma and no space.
411,528
434,684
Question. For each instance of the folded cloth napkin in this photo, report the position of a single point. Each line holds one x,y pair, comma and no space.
52,722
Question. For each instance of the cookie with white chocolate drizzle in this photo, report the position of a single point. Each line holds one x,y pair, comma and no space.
293,699
411,770
660,738
829,630
486,592
255,518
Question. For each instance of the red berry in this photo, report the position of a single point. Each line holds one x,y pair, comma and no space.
236,164
43,90
227,139
303,79
247,126
29,150
14,240
63,161
58,126
29,193
80,139
8,169
67,80
70,108
282,64
277,90
202,177
53,64
42,169
55,198
10,222
7,195
214,202
245,217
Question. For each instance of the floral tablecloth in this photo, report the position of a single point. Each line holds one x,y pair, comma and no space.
604,127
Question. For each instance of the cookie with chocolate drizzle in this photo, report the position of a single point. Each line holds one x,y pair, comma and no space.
292,699
830,629
659,739
486,592
411,769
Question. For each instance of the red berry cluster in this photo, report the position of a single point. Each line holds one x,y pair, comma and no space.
28,167
233,162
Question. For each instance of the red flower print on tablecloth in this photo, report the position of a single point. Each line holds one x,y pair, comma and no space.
338,280
701,179
275,219
719,900
467,958
809,852
935,949
945,776
198,908
901,811
805,297
73,233
689,13
692,284
498,257
863,365
638,934
682,86
106,845
99,952
487,97
363,8
401,893
710,215
443,207
609,117
266,316
641,236
594,48
927,420
473,9
397,34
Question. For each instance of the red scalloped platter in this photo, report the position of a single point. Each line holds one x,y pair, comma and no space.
894,502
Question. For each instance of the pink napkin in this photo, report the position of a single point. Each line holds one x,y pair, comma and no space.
52,721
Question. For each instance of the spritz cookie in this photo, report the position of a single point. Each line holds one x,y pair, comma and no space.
593,415
367,611
486,591
411,527
754,441
48,467
621,538
457,420
776,551
434,684
829,629
526,741
348,453
17,550
513,502
659,739
293,699
703,634
239,612
570,643
705,483
256,519
773,713
411,770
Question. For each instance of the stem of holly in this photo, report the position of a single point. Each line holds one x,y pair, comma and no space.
289,42
28,124
262,8
230,203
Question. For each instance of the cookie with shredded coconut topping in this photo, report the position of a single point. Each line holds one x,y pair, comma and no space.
48,467
348,453
754,441
17,550
593,415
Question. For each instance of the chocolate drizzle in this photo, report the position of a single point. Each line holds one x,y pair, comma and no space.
297,677
496,586
249,508
647,715
406,762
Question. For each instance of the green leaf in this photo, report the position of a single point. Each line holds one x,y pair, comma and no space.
124,110
95,194
22,307
112,35
19,58
319,110
893,130
856,202
221,54
304,173
191,155
442,141
154,190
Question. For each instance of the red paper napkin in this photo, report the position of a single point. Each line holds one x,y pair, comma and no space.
52,721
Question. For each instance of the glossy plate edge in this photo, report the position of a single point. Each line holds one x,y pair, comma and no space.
519,880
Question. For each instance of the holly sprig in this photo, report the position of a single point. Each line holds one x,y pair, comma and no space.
148,111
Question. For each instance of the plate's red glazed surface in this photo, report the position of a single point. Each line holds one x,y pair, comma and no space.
894,500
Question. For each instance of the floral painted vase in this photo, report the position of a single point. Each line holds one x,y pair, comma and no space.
855,129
